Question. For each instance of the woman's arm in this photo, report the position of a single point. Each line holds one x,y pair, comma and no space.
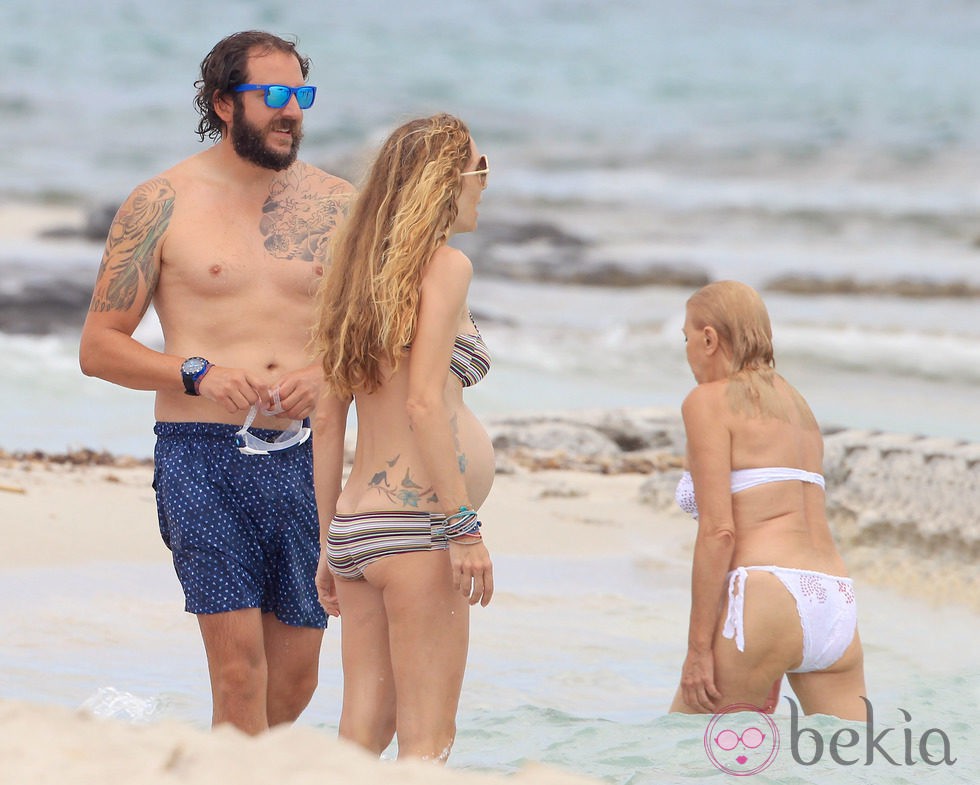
709,458
441,307
329,429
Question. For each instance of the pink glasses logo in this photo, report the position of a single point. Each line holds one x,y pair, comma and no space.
741,740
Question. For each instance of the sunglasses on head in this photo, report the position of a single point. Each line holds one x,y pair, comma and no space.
278,95
481,171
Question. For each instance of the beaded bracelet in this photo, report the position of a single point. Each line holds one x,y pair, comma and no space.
463,524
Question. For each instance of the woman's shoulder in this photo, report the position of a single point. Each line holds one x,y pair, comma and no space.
448,265
706,394
802,413
706,406
452,258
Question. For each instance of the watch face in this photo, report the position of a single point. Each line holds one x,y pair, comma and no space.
192,365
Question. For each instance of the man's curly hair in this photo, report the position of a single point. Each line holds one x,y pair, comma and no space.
226,67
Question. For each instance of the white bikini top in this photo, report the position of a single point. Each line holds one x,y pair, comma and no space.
743,479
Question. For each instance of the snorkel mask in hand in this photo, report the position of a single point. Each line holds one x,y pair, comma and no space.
250,444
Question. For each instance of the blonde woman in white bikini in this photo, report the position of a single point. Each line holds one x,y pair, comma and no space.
769,590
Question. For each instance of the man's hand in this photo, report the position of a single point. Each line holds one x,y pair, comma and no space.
299,391
233,388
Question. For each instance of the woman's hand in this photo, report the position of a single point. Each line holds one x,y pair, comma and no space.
698,681
326,589
472,571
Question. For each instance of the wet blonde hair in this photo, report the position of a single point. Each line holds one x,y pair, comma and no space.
367,304
739,316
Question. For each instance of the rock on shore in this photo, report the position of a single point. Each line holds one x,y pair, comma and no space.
902,508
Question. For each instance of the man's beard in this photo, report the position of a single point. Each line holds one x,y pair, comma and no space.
249,142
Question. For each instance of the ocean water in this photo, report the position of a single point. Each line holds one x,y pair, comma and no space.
748,140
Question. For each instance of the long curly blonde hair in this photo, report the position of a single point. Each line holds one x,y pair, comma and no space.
367,304
739,316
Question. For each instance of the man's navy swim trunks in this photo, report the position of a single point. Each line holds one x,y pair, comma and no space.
243,529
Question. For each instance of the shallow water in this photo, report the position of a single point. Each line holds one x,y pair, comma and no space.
573,664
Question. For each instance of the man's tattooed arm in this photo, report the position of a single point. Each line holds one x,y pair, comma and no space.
129,271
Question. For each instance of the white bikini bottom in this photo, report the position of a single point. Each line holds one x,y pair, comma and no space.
828,612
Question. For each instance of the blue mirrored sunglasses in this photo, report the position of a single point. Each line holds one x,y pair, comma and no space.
278,95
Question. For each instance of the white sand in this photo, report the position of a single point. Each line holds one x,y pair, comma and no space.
41,745
21,222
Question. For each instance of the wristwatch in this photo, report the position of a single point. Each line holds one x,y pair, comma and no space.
192,370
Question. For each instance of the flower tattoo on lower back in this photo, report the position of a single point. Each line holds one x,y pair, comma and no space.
405,492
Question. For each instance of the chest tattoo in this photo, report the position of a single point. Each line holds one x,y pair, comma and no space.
298,218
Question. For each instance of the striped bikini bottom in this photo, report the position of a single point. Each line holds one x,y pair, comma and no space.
359,539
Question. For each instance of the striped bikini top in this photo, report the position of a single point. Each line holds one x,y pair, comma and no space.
743,479
470,360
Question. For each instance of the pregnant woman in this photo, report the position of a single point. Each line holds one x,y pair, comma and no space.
403,540
770,594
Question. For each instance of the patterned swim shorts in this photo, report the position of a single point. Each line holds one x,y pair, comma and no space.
243,529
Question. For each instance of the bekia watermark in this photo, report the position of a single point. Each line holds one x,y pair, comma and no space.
742,740
845,748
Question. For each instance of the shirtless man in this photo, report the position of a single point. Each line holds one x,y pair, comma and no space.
228,246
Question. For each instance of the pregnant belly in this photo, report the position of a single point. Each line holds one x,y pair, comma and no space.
474,451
